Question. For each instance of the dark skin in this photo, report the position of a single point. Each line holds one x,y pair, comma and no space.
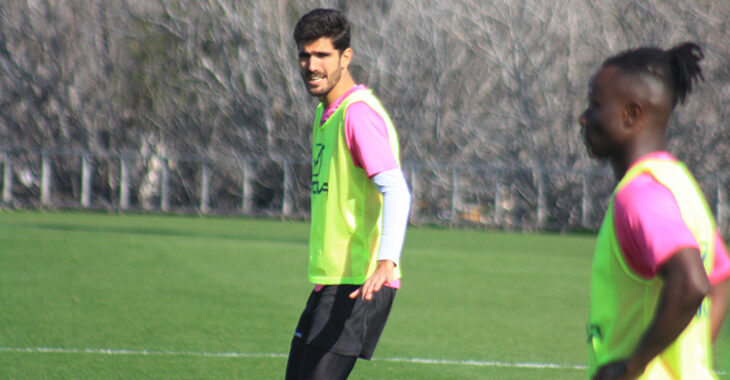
626,119
719,296
685,285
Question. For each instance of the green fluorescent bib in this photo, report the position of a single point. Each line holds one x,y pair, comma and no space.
346,205
622,304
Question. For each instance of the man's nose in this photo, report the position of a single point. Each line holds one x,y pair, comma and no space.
305,63
312,64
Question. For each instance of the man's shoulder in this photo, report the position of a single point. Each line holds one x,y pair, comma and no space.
359,94
645,193
365,102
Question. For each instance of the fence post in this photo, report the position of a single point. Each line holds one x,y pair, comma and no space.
205,188
541,212
454,193
165,186
123,184
586,206
498,202
45,179
85,180
414,193
7,178
246,188
286,206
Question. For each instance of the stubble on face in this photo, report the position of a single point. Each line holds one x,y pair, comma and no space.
320,66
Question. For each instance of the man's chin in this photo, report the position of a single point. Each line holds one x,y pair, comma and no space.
592,153
316,92
598,156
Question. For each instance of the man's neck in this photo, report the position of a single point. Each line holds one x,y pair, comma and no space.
652,140
345,83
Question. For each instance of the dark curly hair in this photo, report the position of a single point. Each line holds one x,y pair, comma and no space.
678,68
320,23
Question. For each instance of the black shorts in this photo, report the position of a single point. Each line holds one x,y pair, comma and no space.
344,326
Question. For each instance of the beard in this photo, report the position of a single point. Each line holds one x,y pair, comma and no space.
593,150
326,85
600,149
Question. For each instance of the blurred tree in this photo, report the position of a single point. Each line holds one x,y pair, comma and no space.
467,82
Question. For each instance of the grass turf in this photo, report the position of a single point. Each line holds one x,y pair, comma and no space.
170,295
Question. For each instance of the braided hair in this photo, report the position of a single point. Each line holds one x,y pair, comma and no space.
678,68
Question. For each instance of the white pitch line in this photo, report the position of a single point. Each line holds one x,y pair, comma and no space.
108,351
480,363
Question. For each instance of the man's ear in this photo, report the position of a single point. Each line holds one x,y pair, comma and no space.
345,58
633,112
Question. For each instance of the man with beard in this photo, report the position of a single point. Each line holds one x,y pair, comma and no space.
659,283
360,204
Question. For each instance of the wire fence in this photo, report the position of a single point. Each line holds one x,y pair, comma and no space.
511,198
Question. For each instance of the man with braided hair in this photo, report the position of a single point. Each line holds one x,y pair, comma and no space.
659,282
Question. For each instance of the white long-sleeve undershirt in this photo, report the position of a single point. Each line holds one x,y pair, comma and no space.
396,207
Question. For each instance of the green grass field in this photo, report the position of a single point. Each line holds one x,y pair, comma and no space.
97,296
